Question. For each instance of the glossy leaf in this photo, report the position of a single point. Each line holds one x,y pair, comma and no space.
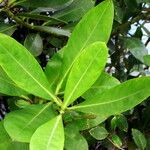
118,99
8,87
85,71
14,56
99,133
139,139
73,139
147,60
34,44
136,47
52,135
93,27
103,83
21,124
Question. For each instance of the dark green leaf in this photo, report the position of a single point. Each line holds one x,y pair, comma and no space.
34,44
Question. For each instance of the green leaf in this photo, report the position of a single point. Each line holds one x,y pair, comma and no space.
8,87
7,28
99,133
95,26
52,135
73,139
85,71
118,99
29,76
119,121
53,30
103,83
136,47
86,123
6,142
52,69
34,44
116,141
44,3
139,139
21,124
74,11
147,60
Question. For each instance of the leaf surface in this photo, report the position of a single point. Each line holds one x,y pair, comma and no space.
85,71
118,99
52,135
95,26
21,124
23,69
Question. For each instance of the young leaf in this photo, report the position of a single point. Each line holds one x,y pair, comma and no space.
49,136
29,76
119,121
8,87
21,124
139,139
118,99
99,133
103,83
34,44
73,139
116,141
95,26
85,71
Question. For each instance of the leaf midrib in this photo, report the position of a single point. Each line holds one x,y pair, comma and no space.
61,81
98,104
53,131
84,73
51,95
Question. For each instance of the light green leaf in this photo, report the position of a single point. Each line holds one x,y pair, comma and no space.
6,142
23,69
7,28
74,140
103,83
8,87
34,44
99,133
136,47
118,99
52,135
95,26
85,71
147,60
21,124
116,141
139,139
